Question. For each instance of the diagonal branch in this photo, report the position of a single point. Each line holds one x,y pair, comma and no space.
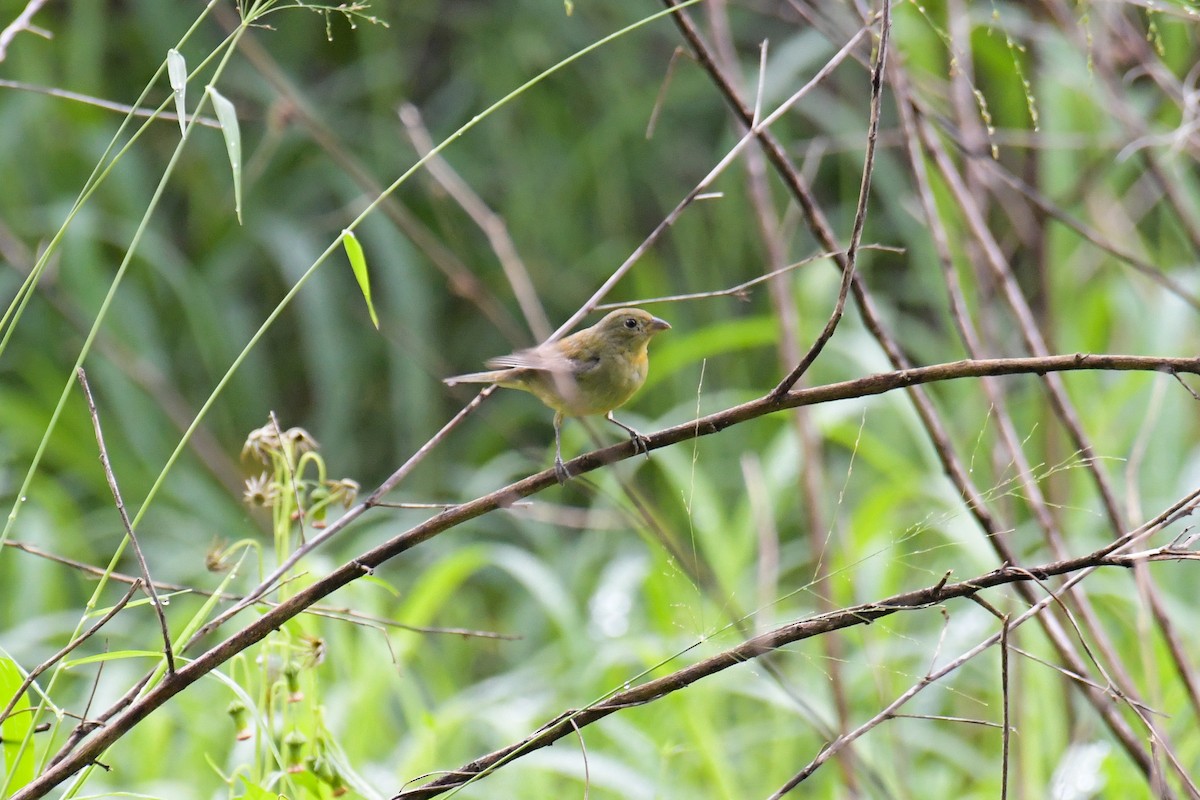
860,213
147,581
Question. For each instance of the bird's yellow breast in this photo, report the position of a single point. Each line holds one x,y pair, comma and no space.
597,387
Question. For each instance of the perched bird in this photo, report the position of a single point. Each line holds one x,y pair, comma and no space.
589,372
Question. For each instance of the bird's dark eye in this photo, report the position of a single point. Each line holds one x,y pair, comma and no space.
630,323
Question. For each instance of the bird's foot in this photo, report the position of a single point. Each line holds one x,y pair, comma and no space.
641,444
560,471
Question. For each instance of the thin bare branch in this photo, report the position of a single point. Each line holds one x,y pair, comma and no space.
860,213
23,23
1006,730
111,477
344,614
108,105
740,291
491,223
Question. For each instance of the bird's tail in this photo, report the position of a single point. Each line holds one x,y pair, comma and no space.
491,376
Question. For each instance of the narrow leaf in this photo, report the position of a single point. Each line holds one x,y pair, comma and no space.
227,116
177,74
115,655
18,753
358,263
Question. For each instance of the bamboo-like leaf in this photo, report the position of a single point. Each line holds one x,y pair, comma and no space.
115,655
18,754
177,75
227,116
358,263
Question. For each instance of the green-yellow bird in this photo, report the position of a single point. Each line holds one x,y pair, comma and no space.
592,371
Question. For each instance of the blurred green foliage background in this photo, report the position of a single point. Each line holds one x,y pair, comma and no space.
1093,104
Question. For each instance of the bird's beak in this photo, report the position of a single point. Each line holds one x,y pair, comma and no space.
657,324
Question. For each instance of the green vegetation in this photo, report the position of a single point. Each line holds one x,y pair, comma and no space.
266,295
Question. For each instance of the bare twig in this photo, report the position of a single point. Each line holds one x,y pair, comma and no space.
344,614
1006,731
23,22
983,723
147,581
108,105
740,291
662,91
491,223
860,213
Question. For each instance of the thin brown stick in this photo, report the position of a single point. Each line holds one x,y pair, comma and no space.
111,477
491,223
662,91
344,614
860,212
1006,731
739,291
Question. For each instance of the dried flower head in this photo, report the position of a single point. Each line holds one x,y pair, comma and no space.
260,491
261,444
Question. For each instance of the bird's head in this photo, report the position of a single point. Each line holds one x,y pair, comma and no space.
631,325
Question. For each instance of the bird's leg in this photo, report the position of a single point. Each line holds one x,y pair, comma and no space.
560,469
640,443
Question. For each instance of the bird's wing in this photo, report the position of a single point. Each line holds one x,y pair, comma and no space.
575,366
545,359
495,376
